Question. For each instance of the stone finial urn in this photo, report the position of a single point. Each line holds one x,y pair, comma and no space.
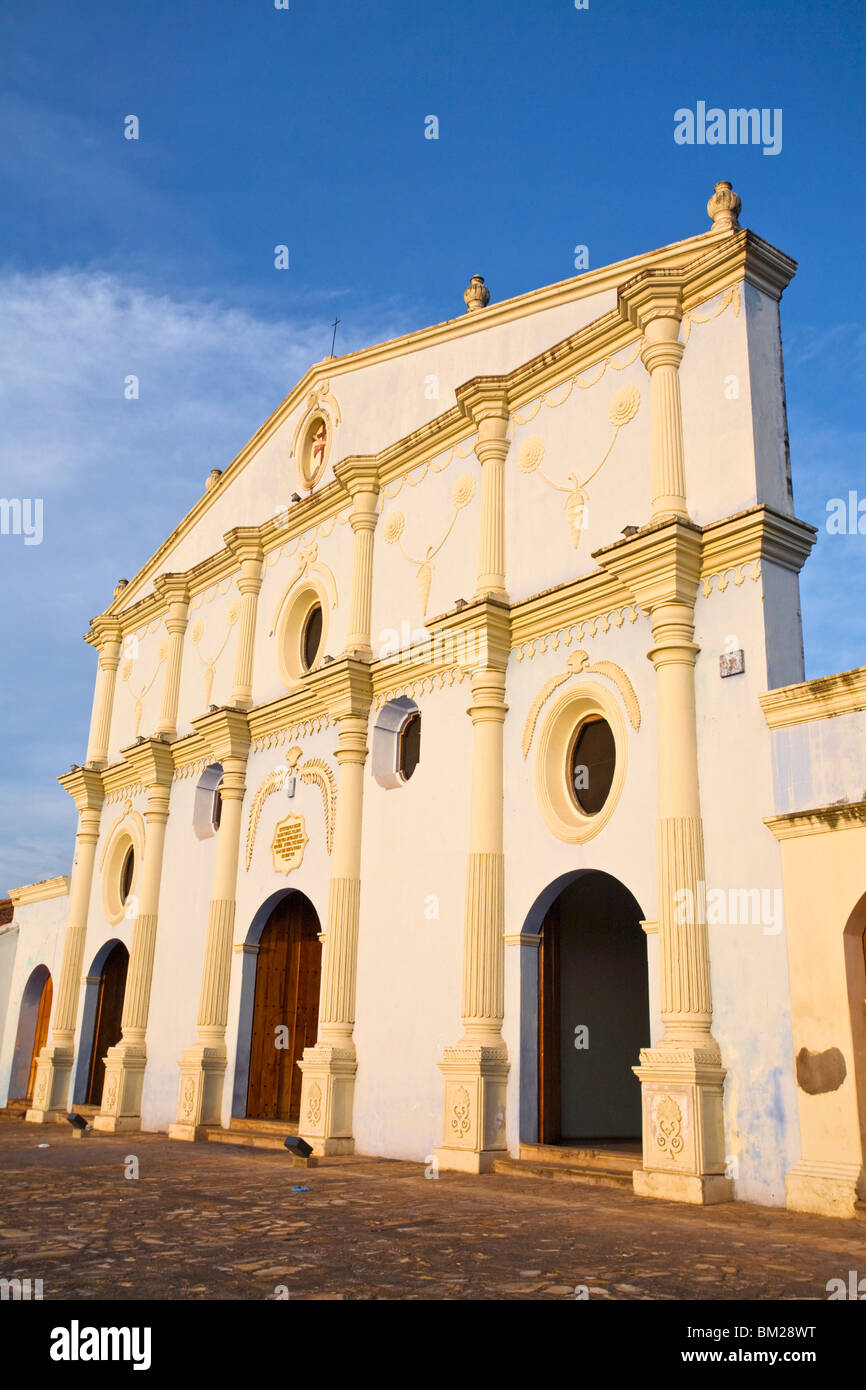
476,295
212,479
119,587
724,207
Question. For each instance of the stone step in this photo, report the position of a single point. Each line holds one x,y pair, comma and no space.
593,1175
253,1134
622,1158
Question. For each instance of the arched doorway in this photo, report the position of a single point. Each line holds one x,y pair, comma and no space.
593,1012
285,1010
107,1012
855,970
32,1035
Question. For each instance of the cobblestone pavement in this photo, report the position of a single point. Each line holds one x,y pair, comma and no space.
208,1221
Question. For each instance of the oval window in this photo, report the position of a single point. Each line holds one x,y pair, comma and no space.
592,764
126,875
409,754
311,637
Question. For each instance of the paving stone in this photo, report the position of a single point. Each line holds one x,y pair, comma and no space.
207,1221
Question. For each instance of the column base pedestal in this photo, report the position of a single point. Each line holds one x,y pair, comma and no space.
327,1097
202,1072
827,1189
120,1110
51,1086
682,1092
474,1116
702,1190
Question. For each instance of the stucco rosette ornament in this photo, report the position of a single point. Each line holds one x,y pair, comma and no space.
531,454
624,405
394,527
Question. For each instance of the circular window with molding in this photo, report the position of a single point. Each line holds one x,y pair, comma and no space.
119,877
302,633
314,449
580,762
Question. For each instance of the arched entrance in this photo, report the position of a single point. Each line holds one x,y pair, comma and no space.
592,1011
32,1034
102,1014
285,1009
855,971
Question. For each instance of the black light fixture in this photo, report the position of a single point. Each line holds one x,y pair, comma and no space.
296,497
630,530
300,1151
79,1125
459,603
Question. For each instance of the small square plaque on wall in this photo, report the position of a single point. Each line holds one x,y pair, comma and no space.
732,663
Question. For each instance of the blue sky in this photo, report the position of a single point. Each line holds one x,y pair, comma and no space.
305,126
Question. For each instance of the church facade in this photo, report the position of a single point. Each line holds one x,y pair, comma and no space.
453,791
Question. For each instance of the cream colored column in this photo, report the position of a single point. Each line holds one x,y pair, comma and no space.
476,1070
125,1062
106,635
54,1067
488,406
360,477
329,1068
682,1077
173,590
249,552
203,1066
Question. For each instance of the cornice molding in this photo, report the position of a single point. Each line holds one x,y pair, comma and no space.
150,762
819,820
825,698
659,564
40,892
85,786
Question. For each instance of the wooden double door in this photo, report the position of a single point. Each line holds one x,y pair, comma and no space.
286,1008
107,1023
41,1035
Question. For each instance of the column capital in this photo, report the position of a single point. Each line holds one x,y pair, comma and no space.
485,399
359,475
104,633
653,297
173,589
84,785
245,543
226,732
660,565
151,761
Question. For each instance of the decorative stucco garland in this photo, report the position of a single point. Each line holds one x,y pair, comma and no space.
461,495
730,296
209,663
579,664
315,772
422,469
624,406
567,387
139,696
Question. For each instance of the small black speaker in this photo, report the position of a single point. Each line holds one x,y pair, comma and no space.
297,1147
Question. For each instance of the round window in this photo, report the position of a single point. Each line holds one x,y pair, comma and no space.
127,873
311,637
314,454
591,764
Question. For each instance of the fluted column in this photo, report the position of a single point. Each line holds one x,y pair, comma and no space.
360,477
174,591
106,635
682,1077
249,552
54,1066
126,1061
488,407
476,1070
661,356
328,1068
203,1065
